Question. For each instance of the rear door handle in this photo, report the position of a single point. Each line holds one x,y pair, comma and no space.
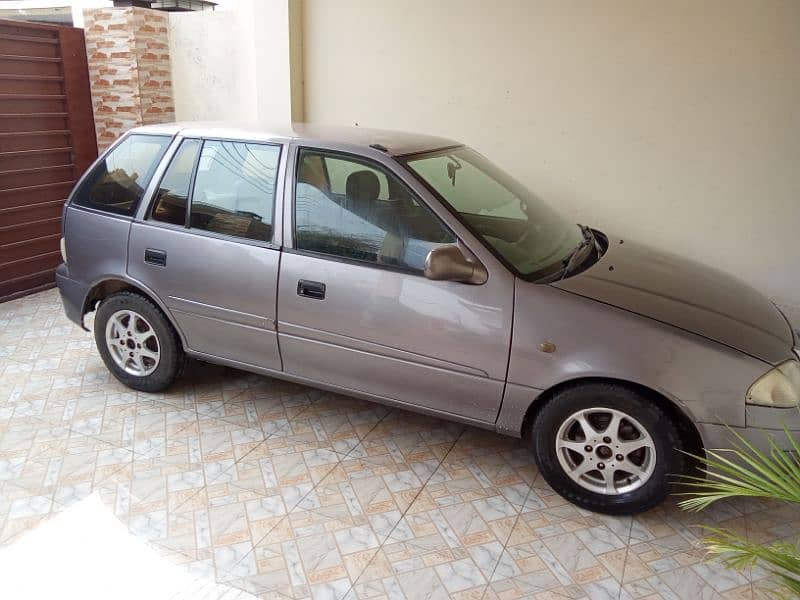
155,257
311,289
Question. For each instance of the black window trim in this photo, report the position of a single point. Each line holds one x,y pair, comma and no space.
203,232
368,162
187,218
148,216
73,196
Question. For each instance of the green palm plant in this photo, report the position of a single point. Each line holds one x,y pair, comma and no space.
743,471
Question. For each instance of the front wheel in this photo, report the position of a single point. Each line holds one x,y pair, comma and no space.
606,448
137,343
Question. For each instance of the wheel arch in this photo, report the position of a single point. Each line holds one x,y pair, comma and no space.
111,285
690,435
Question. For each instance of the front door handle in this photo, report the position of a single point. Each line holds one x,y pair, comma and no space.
155,257
311,289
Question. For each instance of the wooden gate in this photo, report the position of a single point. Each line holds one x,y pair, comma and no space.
47,139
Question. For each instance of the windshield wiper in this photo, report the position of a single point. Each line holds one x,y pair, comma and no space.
588,232
589,239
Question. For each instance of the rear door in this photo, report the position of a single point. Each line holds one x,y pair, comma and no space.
207,247
355,309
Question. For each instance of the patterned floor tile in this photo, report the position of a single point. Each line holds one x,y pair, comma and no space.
289,492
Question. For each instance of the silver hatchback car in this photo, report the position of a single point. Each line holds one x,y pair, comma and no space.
410,270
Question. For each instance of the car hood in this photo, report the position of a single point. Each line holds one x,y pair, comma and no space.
688,295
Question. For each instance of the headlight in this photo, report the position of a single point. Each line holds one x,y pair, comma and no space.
778,387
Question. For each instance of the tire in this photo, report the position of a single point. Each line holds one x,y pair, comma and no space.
652,457
145,353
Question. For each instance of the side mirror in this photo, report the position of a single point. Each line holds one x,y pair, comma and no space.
447,263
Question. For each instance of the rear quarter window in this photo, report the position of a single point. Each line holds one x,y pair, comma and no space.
117,182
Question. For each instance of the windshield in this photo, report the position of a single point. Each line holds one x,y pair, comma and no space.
526,232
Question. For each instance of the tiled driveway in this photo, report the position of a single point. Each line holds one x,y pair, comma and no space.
286,491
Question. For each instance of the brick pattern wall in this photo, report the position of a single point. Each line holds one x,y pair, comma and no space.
129,71
152,57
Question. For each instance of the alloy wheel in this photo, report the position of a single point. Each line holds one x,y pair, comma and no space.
605,451
132,343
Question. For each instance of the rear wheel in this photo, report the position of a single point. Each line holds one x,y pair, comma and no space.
137,343
607,448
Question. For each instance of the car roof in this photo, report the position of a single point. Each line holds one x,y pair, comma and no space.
395,143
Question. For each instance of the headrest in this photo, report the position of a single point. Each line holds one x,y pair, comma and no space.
363,186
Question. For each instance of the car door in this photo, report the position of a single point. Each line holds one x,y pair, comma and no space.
354,307
206,247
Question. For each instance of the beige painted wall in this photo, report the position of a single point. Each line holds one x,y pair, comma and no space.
673,122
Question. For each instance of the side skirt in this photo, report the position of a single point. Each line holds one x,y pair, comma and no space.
346,391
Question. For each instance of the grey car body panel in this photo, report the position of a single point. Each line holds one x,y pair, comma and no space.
441,348
99,253
717,436
224,303
595,340
97,244
340,389
398,335
688,295
517,400
359,139
765,417
73,295
360,336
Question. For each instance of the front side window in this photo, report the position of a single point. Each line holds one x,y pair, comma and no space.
339,171
355,209
173,191
234,189
528,233
117,182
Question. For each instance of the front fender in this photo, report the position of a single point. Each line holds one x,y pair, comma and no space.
706,379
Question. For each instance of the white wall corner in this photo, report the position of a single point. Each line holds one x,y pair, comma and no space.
277,50
239,65
296,59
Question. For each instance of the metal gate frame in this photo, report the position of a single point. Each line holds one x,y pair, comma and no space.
47,140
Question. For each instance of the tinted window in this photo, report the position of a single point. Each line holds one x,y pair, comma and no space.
234,189
118,181
364,213
173,191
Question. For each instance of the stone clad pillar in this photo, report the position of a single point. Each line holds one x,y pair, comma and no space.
129,69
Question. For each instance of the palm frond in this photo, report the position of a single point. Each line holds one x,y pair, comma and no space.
780,559
744,471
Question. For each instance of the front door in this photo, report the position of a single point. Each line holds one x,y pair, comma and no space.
355,309
206,248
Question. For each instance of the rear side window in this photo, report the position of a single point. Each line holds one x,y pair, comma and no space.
234,189
173,191
117,182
